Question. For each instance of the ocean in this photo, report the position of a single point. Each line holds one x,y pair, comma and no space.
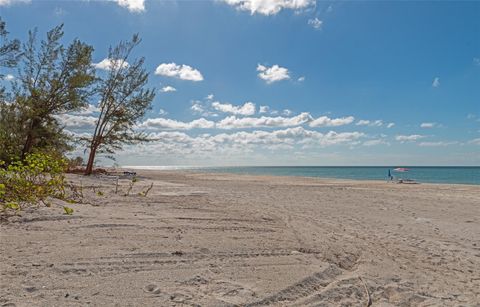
430,174
459,175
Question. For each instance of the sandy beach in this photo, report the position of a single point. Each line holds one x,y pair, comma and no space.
235,240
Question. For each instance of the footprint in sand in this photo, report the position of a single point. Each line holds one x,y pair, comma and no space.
153,289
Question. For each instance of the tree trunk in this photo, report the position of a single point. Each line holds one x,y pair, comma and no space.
27,147
91,160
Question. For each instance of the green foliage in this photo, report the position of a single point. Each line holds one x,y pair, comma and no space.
124,99
9,50
67,210
31,181
9,53
53,79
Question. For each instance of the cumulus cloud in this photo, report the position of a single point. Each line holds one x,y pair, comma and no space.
108,64
167,89
269,7
162,112
390,125
10,2
8,77
170,124
375,142
436,82
132,5
287,112
76,121
315,23
409,138
325,121
374,123
183,72
239,143
474,141
301,79
263,109
436,144
247,109
272,74
428,125
197,107
89,109
233,122
209,97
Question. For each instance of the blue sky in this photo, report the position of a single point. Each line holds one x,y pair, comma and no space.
280,82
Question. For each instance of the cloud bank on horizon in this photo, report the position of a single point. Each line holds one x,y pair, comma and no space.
291,81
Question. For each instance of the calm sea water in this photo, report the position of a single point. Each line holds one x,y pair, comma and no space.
459,175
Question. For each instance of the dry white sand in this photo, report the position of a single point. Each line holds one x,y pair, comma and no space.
224,240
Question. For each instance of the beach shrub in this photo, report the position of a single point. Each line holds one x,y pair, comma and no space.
31,181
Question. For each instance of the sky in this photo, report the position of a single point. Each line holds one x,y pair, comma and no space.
286,82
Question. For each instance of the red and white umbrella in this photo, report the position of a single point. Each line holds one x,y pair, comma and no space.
401,169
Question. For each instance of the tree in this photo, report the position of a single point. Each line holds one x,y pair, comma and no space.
9,50
9,53
52,80
124,99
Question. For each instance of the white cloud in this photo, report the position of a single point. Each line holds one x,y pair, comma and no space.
390,125
269,7
409,138
11,2
233,122
325,121
247,109
315,23
183,72
239,144
58,11
436,82
375,142
197,107
167,89
474,141
272,74
89,109
108,64
132,5
8,77
287,112
209,97
162,112
165,123
436,144
428,125
264,109
375,123
76,121
301,79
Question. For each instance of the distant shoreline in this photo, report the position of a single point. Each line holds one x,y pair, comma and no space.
433,175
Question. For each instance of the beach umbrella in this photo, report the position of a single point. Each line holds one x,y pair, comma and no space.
402,170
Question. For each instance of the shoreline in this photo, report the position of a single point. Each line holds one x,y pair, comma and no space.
226,239
201,171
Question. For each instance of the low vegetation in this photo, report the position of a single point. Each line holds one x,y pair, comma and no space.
52,78
31,181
